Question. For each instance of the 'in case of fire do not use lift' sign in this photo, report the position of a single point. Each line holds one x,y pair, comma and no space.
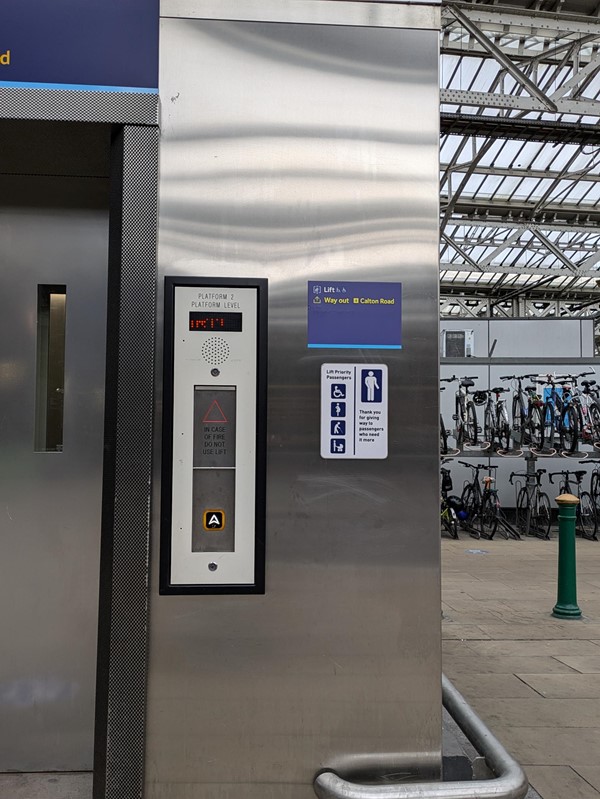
354,411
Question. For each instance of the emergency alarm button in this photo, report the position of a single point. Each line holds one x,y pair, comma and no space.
214,520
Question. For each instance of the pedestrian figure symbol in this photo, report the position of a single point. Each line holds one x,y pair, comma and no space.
338,446
338,428
371,385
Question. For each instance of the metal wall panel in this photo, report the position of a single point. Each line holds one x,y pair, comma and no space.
525,338
53,230
295,153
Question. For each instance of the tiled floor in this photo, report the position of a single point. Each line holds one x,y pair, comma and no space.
534,679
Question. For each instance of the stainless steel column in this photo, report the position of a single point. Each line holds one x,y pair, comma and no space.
299,152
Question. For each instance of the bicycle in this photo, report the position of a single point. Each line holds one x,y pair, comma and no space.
586,408
586,524
472,499
533,509
563,412
483,505
594,485
520,405
443,434
465,415
496,427
449,510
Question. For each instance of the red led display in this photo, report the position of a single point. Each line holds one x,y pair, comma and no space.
214,322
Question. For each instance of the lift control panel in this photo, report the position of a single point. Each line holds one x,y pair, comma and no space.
213,481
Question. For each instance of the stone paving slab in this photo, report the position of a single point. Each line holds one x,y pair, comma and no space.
538,712
553,746
556,648
586,664
532,631
564,686
46,786
510,664
463,631
504,651
560,782
591,774
498,686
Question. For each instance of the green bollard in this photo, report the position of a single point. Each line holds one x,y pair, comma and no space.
566,601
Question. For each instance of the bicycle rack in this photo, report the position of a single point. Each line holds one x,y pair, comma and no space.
482,446
551,452
578,455
510,453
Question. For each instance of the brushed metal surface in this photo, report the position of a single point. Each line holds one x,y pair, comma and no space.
294,152
52,230
384,14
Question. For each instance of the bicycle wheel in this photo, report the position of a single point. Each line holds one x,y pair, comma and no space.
470,503
522,511
471,425
586,516
443,438
595,490
503,429
543,515
536,426
450,522
488,517
594,413
459,418
548,425
489,427
569,429
519,416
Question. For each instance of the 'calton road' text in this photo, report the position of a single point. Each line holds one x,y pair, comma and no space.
358,300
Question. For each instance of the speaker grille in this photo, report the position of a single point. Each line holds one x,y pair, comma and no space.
215,350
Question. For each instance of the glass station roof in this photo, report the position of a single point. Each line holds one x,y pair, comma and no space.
520,146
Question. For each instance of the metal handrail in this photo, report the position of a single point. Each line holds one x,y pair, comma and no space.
509,781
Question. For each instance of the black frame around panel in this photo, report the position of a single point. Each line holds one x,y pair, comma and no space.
258,587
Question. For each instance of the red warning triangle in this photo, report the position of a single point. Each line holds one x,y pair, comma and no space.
215,413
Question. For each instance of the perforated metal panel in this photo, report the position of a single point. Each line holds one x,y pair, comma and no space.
121,702
125,108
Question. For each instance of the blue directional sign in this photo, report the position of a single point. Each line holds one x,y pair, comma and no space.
98,45
354,315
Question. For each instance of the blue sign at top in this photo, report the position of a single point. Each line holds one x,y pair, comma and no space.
354,315
101,45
